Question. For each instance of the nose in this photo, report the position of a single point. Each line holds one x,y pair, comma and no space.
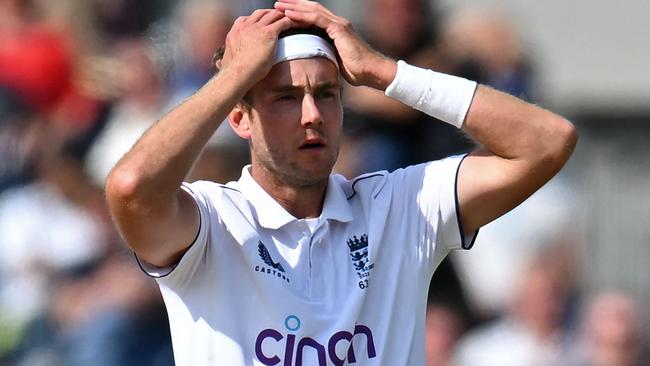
310,112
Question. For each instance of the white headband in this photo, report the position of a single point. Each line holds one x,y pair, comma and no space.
303,45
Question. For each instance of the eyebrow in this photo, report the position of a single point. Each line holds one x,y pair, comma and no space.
317,88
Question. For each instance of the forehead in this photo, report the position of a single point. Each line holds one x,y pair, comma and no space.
302,72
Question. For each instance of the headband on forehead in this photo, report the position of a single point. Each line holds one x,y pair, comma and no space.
298,46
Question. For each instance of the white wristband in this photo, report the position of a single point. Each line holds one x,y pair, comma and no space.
445,97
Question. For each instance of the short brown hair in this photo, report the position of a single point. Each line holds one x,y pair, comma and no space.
320,32
218,54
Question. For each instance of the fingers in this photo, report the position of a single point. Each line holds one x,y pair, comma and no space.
257,15
271,17
302,6
266,17
307,18
308,12
275,19
283,24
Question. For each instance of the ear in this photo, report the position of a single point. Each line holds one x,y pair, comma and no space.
239,121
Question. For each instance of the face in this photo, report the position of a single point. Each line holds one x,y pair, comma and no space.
294,123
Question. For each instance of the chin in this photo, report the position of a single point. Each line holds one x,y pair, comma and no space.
312,178
313,175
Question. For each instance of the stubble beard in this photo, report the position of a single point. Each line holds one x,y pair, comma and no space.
291,173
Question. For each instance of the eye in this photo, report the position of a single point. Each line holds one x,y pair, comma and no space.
327,94
285,97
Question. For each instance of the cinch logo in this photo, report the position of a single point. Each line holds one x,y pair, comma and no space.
291,349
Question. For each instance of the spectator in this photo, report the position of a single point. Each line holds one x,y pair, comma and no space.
531,332
35,60
485,46
41,57
203,25
612,332
56,222
125,19
101,313
18,124
141,102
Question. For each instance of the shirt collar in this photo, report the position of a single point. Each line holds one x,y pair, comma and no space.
271,215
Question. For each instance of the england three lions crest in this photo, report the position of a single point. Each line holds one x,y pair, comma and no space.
359,256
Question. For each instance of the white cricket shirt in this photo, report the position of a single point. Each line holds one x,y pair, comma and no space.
260,287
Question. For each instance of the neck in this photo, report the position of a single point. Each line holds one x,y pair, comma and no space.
301,201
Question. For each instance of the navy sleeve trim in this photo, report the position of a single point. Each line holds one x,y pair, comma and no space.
360,179
230,188
463,243
137,259
173,266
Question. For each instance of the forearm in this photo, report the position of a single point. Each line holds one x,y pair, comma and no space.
523,145
154,168
506,126
518,131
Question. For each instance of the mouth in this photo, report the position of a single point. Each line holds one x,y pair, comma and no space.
312,144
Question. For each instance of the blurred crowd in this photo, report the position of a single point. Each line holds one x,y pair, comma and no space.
81,80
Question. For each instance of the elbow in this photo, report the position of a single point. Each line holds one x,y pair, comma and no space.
567,137
121,188
561,144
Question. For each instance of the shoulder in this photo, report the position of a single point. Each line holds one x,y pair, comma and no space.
363,184
227,204
215,197
401,179
209,189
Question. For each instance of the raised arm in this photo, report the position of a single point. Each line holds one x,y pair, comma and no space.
523,146
157,219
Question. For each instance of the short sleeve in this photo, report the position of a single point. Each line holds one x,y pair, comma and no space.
184,269
440,183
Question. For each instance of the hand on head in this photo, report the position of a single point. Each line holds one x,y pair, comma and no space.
360,64
252,41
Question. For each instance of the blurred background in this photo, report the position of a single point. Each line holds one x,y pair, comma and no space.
561,280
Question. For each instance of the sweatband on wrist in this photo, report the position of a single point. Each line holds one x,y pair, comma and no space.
445,97
298,46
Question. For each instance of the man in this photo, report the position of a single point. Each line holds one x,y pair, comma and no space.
289,264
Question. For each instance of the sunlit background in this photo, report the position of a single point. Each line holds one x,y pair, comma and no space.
561,280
